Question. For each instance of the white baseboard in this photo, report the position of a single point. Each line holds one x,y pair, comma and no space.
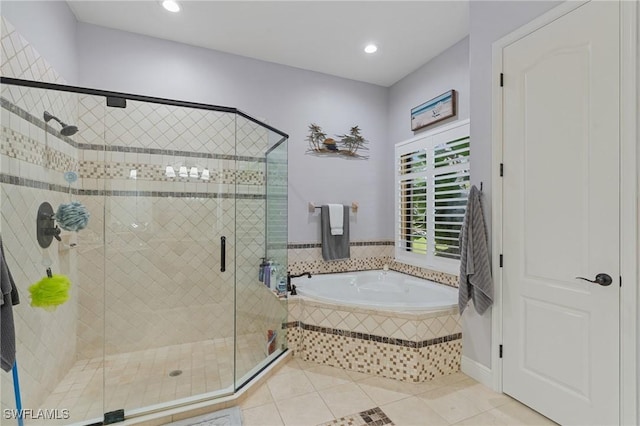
476,371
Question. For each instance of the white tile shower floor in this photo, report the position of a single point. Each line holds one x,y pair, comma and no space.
140,379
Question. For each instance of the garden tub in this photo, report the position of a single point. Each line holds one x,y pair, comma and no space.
377,322
384,290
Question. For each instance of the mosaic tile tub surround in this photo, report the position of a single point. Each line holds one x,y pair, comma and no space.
412,347
404,346
365,255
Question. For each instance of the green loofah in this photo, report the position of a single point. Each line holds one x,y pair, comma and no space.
50,292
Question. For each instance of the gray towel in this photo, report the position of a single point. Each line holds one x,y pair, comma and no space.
334,247
475,270
9,298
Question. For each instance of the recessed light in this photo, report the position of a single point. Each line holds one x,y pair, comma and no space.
371,48
171,5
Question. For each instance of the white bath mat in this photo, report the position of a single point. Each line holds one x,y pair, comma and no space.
227,417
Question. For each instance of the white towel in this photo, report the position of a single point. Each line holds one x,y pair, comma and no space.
336,218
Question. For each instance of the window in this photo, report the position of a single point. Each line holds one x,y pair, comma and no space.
432,186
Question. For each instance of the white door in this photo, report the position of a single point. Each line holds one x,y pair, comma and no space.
561,217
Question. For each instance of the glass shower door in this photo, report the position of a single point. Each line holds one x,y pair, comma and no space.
165,305
170,255
261,229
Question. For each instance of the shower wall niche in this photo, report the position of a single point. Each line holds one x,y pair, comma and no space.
154,317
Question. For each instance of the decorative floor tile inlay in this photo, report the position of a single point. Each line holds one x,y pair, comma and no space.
372,417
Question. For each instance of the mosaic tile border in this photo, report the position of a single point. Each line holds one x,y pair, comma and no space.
374,338
176,153
375,417
372,417
30,183
441,360
395,362
13,108
320,267
351,244
21,147
156,173
18,146
425,273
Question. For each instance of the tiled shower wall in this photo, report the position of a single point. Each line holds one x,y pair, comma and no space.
163,280
46,341
163,284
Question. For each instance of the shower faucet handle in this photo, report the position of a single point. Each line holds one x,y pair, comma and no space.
55,232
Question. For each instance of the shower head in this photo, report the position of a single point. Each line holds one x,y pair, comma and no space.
66,130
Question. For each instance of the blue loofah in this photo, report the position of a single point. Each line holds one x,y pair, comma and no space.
72,216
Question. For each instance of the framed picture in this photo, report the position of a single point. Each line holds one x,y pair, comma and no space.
434,110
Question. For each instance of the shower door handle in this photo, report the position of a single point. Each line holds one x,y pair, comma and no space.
223,254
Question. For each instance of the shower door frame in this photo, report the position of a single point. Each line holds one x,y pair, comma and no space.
133,97
115,99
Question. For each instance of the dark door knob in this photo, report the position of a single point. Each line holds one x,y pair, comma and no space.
602,279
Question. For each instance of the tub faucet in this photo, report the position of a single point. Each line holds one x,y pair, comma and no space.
292,288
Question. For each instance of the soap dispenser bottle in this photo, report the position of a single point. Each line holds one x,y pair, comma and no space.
273,280
267,274
263,265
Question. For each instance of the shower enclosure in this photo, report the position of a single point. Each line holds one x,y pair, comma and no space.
165,306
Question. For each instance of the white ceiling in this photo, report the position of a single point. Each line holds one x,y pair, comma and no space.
323,36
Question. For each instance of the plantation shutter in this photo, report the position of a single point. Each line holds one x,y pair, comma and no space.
432,185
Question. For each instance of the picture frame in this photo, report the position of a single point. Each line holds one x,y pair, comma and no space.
434,110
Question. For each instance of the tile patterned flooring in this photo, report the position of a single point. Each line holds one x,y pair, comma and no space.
303,393
299,393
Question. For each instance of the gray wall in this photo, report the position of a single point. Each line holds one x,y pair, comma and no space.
489,21
50,27
290,98
287,98
449,70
